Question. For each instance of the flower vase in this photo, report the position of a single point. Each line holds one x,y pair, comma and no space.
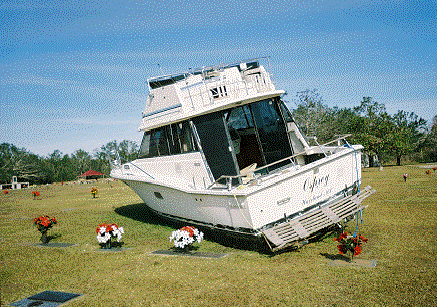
44,237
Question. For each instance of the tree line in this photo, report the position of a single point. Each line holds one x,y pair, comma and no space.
390,137
57,166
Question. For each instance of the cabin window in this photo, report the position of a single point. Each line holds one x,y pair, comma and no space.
181,139
285,113
158,143
160,82
219,91
168,140
214,92
145,146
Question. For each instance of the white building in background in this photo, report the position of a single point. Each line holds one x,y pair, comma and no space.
14,185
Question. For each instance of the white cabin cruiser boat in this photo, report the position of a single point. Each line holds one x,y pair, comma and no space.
221,150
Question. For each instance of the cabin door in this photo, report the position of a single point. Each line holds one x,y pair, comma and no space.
272,132
214,140
244,137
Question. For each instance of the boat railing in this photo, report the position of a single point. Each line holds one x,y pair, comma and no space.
229,178
117,164
209,93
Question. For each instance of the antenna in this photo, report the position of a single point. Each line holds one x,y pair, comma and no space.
159,66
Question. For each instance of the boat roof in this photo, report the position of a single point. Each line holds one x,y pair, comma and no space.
162,80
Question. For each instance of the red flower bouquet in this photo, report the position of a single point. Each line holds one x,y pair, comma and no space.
35,194
94,191
44,223
350,244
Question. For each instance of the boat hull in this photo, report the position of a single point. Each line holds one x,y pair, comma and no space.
260,204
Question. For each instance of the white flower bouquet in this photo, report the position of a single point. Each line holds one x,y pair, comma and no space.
106,232
185,237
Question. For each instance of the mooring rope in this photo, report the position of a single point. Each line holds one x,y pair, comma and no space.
359,212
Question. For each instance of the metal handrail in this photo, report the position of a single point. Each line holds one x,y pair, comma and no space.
233,89
119,165
229,177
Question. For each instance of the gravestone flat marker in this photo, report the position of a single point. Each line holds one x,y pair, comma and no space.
363,263
55,244
46,299
169,252
111,250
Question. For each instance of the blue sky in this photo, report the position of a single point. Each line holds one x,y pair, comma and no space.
73,73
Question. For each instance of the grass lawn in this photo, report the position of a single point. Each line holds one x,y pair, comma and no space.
400,223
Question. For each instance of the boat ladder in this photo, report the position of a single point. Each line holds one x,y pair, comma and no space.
289,233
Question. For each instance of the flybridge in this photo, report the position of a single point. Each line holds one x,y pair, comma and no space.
177,97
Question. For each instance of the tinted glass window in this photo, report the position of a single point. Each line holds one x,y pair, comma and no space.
272,131
169,140
145,145
285,112
181,139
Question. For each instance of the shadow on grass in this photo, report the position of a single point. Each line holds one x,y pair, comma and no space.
53,237
335,257
140,212
114,244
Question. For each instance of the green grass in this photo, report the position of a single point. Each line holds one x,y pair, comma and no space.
400,222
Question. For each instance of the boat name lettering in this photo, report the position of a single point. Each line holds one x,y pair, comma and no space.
311,183
317,197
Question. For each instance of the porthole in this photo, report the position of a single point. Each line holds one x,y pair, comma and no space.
158,195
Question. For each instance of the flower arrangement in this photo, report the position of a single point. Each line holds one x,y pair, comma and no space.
35,194
350,244
44,223
94,191
106,233
185,237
